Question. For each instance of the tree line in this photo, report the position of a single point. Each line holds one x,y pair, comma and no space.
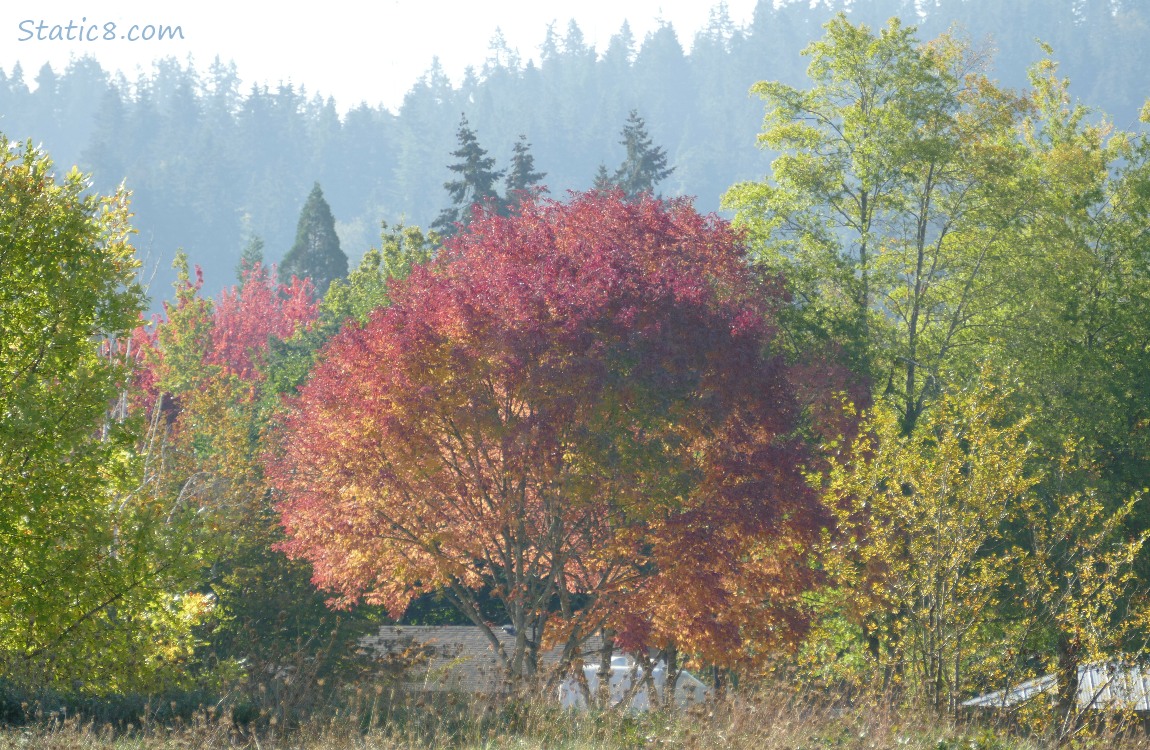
212,160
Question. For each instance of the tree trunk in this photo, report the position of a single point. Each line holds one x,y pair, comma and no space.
1067,675
671,666
604,692
718,682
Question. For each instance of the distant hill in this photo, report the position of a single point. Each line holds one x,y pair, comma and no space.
211,161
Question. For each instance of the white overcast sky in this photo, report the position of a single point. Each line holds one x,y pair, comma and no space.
354,51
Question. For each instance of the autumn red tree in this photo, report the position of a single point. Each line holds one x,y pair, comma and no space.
575,410
198,338
204,373
199,366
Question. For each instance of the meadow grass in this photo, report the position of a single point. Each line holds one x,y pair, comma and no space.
763,721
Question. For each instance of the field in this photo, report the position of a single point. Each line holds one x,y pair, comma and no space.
763,722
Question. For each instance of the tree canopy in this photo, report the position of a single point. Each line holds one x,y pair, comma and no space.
645,164
316,254
895,412
90,558
889,201
476,181
575,409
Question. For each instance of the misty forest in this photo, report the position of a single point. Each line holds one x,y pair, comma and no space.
806,360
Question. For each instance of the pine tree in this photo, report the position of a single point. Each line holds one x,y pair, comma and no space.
522,179
603,180
476,183
645,165
316,254
252,256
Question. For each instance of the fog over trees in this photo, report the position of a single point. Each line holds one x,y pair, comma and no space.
212,159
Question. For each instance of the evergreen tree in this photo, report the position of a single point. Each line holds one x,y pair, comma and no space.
252,256
316,254
476,183
646,163
522,177
603,180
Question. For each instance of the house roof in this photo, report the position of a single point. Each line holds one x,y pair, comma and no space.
1100,685
452,657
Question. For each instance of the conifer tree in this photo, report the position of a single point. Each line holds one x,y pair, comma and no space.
603,180
316,254
646,163
476,183
522,178
252,256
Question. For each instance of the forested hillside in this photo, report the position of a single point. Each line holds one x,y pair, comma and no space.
212,159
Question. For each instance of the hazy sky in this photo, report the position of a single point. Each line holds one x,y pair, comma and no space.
361,51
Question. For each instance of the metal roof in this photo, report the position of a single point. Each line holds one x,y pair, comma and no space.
452,657
1109,685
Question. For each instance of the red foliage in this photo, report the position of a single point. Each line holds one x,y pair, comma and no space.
580,399
197,339
247,316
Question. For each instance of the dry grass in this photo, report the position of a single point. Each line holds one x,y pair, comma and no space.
763,722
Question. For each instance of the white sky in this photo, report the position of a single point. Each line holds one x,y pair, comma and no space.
354,51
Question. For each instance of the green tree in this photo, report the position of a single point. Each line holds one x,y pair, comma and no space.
92,563
1081,300
1078,317
602,181
921,554
252,256
316,254
522,177
927,221
475,184
645,165
889,203
365,289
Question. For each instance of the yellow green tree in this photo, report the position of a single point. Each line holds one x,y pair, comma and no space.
965,560
1075,323
93,562
887,205
204,370
921,551
927,223
365,288
1079,599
